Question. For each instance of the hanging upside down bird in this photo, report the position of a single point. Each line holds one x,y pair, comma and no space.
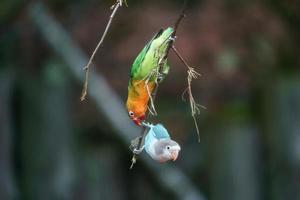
145,75
159,145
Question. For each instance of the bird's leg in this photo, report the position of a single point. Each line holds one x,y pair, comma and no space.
159,78
135,143
134,146
159,75
138,151
163,57
147,124
172,38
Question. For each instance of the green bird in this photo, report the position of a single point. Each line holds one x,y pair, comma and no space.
144,74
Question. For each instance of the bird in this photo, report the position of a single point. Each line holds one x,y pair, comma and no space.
159,145
144,74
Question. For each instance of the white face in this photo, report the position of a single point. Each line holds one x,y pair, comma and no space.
171,152
167,150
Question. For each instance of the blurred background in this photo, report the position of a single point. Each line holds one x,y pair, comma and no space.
52,146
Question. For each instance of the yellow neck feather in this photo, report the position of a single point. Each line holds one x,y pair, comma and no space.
138,96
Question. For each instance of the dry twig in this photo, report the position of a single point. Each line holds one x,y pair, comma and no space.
192,74
115,7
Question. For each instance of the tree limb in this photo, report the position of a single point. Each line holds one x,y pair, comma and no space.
115,7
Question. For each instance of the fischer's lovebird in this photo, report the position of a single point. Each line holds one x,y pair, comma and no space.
159,145
144,74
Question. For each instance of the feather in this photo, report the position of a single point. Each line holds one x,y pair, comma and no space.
147,59
160,132
139,59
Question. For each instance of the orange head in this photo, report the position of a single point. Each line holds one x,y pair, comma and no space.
136,112
137,100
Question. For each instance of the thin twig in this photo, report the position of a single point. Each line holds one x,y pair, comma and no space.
160,69
192,74
151,109
140,139
115,7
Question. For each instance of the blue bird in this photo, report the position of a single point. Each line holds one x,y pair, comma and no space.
159,145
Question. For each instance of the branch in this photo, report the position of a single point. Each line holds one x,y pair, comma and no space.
154,93
115,7
192,74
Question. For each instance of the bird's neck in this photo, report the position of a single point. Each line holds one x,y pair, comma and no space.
138,95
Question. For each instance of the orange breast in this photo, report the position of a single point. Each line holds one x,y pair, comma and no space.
138,97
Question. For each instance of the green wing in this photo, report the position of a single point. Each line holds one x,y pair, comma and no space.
148,58
139,59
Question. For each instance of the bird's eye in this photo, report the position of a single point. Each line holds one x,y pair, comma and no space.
130,113
168,147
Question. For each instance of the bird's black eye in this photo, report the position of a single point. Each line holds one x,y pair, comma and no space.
130,113
168,147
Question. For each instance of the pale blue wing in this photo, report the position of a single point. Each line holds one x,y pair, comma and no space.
154,133
149,139
160,131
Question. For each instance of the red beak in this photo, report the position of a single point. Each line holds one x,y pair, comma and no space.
142,118
138,120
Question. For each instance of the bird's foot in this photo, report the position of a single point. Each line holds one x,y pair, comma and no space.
147,124
172,38
135,143
138,151
159,78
